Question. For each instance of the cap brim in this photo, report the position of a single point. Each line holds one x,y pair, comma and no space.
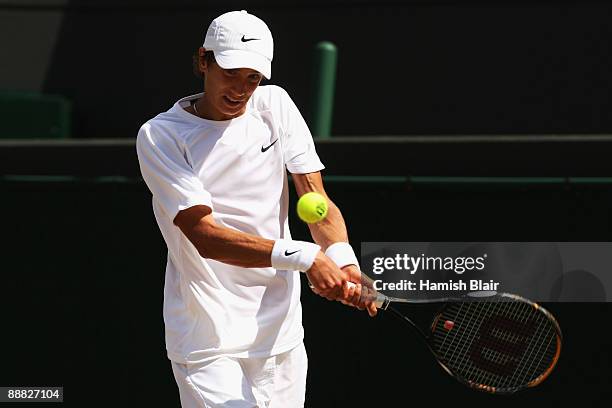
231,59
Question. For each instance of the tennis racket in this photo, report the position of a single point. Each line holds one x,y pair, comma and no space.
494,342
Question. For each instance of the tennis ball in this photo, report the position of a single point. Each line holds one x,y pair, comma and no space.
312,207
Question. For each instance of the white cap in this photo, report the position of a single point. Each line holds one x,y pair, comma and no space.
241,40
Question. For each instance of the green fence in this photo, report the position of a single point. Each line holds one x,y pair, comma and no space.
28,115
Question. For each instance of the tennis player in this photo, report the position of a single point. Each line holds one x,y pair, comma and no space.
216,164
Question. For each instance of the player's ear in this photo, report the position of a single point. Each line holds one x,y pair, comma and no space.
202,62
195,65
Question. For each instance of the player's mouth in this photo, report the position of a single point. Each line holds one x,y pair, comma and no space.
234,103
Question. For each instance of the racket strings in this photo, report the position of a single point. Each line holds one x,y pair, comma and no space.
498,356
489,354
455,354
513,345
532,366
514,334
501,345
510,335
540,351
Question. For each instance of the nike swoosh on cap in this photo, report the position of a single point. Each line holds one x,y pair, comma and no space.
248,39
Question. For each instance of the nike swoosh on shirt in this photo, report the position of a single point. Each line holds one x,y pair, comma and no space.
287,253
263,149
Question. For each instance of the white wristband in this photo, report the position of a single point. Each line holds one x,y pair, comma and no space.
342,254
294,255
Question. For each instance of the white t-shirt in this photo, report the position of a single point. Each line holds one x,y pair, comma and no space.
238,169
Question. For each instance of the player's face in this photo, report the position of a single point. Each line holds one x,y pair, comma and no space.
227,91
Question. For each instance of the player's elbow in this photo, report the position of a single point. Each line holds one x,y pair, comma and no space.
198,225
204,236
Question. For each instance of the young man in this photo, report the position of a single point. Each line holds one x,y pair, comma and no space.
217,163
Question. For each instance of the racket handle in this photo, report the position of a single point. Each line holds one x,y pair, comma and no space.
381,302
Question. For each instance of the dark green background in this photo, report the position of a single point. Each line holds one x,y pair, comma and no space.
83,279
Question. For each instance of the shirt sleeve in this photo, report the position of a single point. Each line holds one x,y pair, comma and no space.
298,147
165,170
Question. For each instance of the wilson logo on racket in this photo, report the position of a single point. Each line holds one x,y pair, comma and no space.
501,344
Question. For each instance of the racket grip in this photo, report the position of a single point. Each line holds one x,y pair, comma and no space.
381,302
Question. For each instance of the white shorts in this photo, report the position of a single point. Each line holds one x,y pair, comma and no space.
269,382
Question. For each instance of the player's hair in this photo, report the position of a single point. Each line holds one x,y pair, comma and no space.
209,56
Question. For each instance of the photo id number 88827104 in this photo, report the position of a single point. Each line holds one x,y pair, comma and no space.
25,394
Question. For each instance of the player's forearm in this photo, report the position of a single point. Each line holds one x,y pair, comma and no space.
232,247
237,248
330,230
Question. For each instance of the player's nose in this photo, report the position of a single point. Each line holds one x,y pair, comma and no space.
241,88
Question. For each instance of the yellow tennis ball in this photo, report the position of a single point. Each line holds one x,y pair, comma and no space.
312,207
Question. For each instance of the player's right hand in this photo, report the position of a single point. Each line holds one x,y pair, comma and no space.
359,292
326,279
